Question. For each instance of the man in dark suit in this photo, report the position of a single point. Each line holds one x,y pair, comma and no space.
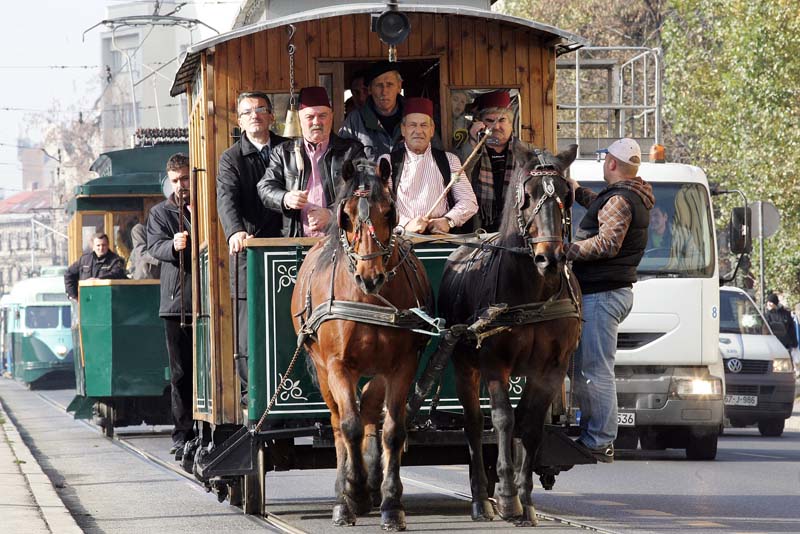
241,212
305,192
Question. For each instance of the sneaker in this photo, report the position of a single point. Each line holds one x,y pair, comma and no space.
604,454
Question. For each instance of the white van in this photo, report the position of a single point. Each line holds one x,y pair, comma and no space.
759,374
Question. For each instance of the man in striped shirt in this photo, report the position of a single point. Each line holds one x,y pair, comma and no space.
420,174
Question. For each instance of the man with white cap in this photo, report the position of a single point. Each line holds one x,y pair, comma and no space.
306,197
420,174
609,244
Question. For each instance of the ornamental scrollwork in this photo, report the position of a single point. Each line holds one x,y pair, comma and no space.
291,389
288,276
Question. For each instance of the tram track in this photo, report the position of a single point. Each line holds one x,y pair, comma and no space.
275,523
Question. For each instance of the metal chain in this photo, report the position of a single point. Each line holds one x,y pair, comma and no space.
291,49
279,389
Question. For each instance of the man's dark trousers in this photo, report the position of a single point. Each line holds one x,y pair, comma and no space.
179,347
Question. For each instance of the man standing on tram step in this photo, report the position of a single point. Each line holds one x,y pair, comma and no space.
377,124
99,263
306,198
420,173
501,155
241,212
167,243
610,243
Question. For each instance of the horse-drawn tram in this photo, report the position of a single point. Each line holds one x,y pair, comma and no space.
389,325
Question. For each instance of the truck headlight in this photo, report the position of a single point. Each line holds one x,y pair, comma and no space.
782,365
697,387
61,350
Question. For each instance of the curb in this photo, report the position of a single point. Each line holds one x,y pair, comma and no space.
52,508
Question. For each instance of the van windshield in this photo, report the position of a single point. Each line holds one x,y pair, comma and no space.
42,316
680,242
738,315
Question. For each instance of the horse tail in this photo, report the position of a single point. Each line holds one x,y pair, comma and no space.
311,369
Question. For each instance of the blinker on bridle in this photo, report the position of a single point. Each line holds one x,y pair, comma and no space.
363,219
548,173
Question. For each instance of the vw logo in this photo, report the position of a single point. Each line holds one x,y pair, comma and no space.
734,365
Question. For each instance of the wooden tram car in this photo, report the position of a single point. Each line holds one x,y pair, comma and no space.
449,49
121,364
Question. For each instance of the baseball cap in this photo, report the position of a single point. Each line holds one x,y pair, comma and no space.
626,150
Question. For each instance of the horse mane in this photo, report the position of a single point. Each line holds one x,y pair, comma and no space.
365,173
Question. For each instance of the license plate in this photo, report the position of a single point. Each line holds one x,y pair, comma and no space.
626,419
741,400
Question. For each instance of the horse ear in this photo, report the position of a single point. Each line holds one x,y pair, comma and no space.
384,169
567,156
348,170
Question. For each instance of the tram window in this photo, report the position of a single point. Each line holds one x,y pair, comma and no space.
123,223
91,223
66,316
41,317
462,115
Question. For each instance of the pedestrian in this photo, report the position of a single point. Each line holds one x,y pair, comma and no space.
241,212
306,197
501,156
168,228
100,263
420,174
780,321
609,244
141,265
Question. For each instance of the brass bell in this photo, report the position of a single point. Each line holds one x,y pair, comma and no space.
291,128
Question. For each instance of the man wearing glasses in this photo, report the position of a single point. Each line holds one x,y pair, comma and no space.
240,210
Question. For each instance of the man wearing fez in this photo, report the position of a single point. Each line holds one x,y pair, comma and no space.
500,156
420,173
240,211
305,198
377,124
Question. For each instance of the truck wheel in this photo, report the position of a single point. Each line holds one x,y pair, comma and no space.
702,444
771,428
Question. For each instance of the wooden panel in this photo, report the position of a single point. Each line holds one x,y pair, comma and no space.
361,34
454,50
277,61
234,77
425,29
248,70
348,36
416,35
481,54
523,79
535,80
507,53
468,51
312,45
301,76
217,100
440,32
261,61
494,53
376,47
324,35
549,105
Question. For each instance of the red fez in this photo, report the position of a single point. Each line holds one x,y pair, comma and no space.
418,105
495,99
314,96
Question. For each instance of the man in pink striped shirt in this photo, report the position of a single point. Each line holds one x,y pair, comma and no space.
420,174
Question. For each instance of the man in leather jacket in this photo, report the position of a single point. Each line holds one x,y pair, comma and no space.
305,197
99,263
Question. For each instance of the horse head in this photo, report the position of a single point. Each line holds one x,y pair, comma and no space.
543,201
366,216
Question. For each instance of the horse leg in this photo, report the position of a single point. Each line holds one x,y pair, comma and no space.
508,503
468,388
393,516
342,515
342,386
372,401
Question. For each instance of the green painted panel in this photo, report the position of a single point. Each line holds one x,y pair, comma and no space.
202,356
124,347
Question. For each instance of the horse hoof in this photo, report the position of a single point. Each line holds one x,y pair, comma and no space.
393,520
342,516
528,517
482,510
509,507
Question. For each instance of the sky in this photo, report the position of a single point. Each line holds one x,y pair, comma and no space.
37,35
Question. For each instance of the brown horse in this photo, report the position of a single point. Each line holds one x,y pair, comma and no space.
359,273
523,265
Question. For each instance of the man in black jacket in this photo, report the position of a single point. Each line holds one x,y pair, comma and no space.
240,210
306,197
99,263
781,322
168,242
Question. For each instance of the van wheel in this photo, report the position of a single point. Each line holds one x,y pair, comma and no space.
702,443
771,428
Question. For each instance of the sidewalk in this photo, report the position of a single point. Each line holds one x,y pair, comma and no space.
30,503
793,423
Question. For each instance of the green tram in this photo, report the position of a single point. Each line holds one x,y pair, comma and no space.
450,52
35,334
121,364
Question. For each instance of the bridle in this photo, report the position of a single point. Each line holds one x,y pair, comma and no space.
362,221
547,174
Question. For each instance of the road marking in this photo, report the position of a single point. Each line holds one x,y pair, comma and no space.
607,503
652,513
753,455
703,524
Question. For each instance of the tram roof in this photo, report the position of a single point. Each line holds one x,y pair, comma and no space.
38,290
568,41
